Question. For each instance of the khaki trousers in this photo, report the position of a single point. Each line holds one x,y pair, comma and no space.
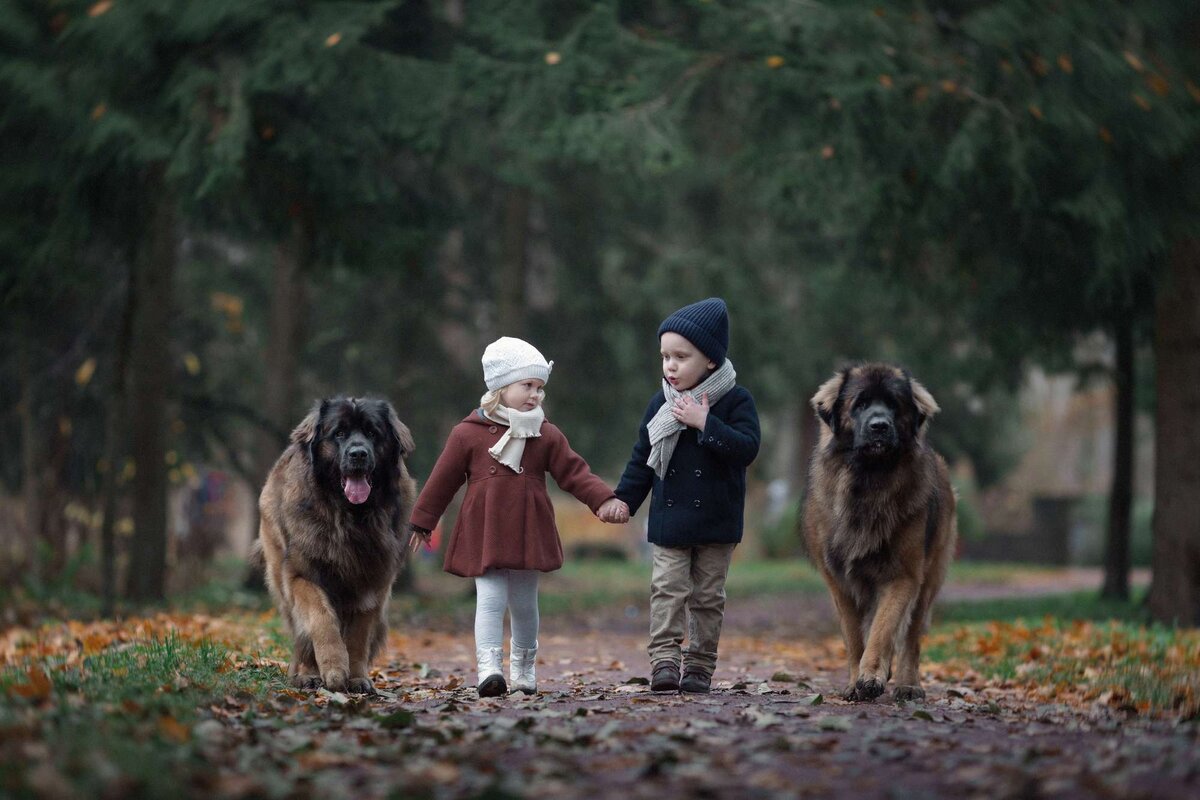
691,579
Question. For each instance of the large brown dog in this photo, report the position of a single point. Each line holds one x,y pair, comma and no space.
879,521
334,533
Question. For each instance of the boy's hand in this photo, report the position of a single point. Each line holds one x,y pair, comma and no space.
691,413
613,510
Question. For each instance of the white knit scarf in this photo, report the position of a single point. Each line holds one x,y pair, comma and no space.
522,425
664,428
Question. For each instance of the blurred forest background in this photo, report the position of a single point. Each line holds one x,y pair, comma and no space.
213,213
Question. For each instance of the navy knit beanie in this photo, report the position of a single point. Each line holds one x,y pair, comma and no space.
705,324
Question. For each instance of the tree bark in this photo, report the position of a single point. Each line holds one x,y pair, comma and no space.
1175,588
285,338
1120,496
510,288
30,474
150,373
114,432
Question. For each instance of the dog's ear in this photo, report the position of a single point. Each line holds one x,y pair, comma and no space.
308,431
926,405
827,401
400,432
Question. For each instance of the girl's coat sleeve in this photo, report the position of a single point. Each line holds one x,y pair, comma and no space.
448,475
573,475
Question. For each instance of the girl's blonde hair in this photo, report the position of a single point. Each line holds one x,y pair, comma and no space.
491,399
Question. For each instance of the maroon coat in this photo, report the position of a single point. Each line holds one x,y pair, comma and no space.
506,521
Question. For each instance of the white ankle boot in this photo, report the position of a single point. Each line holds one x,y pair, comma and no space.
522,671
491,671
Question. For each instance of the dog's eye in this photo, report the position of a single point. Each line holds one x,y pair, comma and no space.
339,435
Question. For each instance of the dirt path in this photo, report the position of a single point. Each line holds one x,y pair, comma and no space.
773,727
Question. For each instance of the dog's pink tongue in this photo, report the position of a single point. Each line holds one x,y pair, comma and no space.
357,490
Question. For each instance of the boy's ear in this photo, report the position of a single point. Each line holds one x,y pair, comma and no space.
827,401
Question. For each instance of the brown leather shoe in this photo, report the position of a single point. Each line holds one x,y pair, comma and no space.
695,681
665,677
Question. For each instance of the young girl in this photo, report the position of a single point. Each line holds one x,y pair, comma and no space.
505,534
699,434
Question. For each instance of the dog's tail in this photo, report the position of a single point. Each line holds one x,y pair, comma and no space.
256,572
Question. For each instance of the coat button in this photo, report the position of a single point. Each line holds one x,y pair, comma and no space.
696,503
697,473
492,470
492,429
670,502
670,472
710,438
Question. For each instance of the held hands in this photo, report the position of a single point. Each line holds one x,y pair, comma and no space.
613,510
691,413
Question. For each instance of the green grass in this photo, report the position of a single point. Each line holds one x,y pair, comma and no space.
1068,606
119,720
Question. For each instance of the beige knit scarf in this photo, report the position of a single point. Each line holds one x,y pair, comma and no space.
522,425
664,429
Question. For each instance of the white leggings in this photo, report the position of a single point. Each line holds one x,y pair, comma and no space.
514,589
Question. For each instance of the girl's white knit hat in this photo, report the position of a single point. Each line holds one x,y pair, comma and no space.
508,360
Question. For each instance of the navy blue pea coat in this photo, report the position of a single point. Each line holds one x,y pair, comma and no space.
702,498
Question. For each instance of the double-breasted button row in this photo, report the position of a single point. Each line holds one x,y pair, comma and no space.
670,502
493,429
491,470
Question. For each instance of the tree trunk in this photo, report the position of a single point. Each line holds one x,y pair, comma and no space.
1120,496
114,432
30,474
285,338
150,373
510,287
1175,589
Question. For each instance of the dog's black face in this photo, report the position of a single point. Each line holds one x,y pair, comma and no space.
875,411
356,448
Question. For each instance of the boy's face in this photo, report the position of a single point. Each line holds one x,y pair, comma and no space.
523,395
683,365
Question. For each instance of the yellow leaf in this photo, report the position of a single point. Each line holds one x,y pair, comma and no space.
1133,61
103,7
37,686
1065,63
171,458
87,369
1141,102
949,86
191,363
1035,112
1158,84
99,111
332,39
173,729
774,62
827,152
553,58
885,81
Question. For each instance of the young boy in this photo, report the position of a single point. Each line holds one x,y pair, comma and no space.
699,434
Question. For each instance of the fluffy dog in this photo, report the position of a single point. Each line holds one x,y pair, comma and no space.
879,521
334,532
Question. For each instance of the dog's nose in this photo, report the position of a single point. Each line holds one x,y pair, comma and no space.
357,453
879,425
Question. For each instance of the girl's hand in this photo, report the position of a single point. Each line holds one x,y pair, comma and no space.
613,510
691,413
419,537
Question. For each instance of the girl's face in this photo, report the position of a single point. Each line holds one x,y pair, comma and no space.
683,365
523,395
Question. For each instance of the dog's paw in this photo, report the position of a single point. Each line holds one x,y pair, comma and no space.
866,689
307,682
335,680
360,686
908,693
